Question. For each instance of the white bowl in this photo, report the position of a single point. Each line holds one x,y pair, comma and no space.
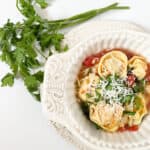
59,95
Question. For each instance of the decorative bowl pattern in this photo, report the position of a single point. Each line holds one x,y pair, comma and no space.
59,101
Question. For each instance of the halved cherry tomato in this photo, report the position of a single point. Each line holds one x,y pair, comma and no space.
122,129
94,59
91,61
148,78
128,128
148,105
132,128
131,80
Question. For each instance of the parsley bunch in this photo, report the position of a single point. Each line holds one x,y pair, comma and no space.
26,45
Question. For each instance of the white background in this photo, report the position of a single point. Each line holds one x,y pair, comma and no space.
22,124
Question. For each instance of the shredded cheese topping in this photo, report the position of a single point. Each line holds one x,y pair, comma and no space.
118,89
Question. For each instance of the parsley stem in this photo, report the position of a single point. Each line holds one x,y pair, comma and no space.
41,54
17,5
86,15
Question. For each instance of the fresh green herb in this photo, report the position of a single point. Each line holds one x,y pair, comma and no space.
137,103
109,79
109,87
98,96
42,3
8,80
114,89
97,99
23,43
96,125
85,108
129,113
101,79
88,95
116,76
32,83
127,99
139,86
136,89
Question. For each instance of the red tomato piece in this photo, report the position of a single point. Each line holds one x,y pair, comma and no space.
90,61
94,59
148,78
132,128
148,105
131,80
122,129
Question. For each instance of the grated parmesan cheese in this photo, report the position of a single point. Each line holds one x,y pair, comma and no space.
118,90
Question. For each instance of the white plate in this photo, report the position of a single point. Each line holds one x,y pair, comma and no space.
68,114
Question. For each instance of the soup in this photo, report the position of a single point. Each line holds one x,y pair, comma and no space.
113,89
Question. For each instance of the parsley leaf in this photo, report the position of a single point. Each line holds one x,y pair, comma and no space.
98,96
26,7
139,86
8,80
42,3
32,83
39,76
129,113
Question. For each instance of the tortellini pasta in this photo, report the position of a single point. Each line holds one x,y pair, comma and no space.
87,86
139,66
110,117
114,62
142,111
106,116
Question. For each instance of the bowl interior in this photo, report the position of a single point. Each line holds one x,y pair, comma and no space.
136,42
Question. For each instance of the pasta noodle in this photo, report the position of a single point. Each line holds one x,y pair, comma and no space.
114,62
106,116
86,82
139,66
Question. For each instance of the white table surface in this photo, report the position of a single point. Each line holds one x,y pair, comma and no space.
22,124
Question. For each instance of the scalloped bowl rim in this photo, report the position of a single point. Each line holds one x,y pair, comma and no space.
77,54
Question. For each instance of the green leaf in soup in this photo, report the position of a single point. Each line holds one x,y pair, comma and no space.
109,78
136,88
97,99
85,108
116,76
96,125
127,99
88,95
129,113
137,103
139,86
98,95
109,87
